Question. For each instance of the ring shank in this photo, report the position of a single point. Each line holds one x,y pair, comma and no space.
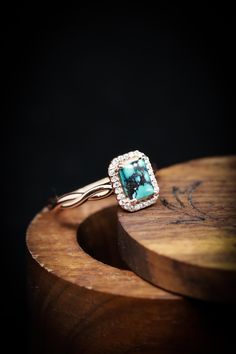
93,191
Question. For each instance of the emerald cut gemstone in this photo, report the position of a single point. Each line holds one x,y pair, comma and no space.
135,180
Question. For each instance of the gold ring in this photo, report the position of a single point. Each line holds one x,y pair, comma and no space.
131,179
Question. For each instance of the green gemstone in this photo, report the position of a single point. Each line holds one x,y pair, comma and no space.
135,180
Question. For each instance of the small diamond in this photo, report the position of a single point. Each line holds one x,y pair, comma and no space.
111,171
114,179
118,190
131,154
116,184
156,189
120,196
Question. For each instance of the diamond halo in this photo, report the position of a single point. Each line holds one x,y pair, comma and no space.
127,203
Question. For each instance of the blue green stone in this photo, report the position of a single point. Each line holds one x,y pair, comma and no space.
135,180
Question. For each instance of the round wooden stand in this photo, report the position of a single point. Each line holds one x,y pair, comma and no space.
186,242
83,299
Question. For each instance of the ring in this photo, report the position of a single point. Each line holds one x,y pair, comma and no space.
131,179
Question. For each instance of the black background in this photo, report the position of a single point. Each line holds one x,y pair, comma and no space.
84,85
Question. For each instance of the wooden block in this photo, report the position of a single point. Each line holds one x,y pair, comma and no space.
186,243
83,300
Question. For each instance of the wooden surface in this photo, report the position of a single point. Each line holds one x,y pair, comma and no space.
84,300
186,243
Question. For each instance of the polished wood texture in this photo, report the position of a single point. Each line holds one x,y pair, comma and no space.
186,242
83,299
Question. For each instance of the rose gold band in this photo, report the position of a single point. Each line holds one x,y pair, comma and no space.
93,191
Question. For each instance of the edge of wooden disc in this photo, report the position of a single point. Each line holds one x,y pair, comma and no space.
185,245
52,242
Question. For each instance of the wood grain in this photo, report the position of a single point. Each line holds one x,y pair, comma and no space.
186,243
83,300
